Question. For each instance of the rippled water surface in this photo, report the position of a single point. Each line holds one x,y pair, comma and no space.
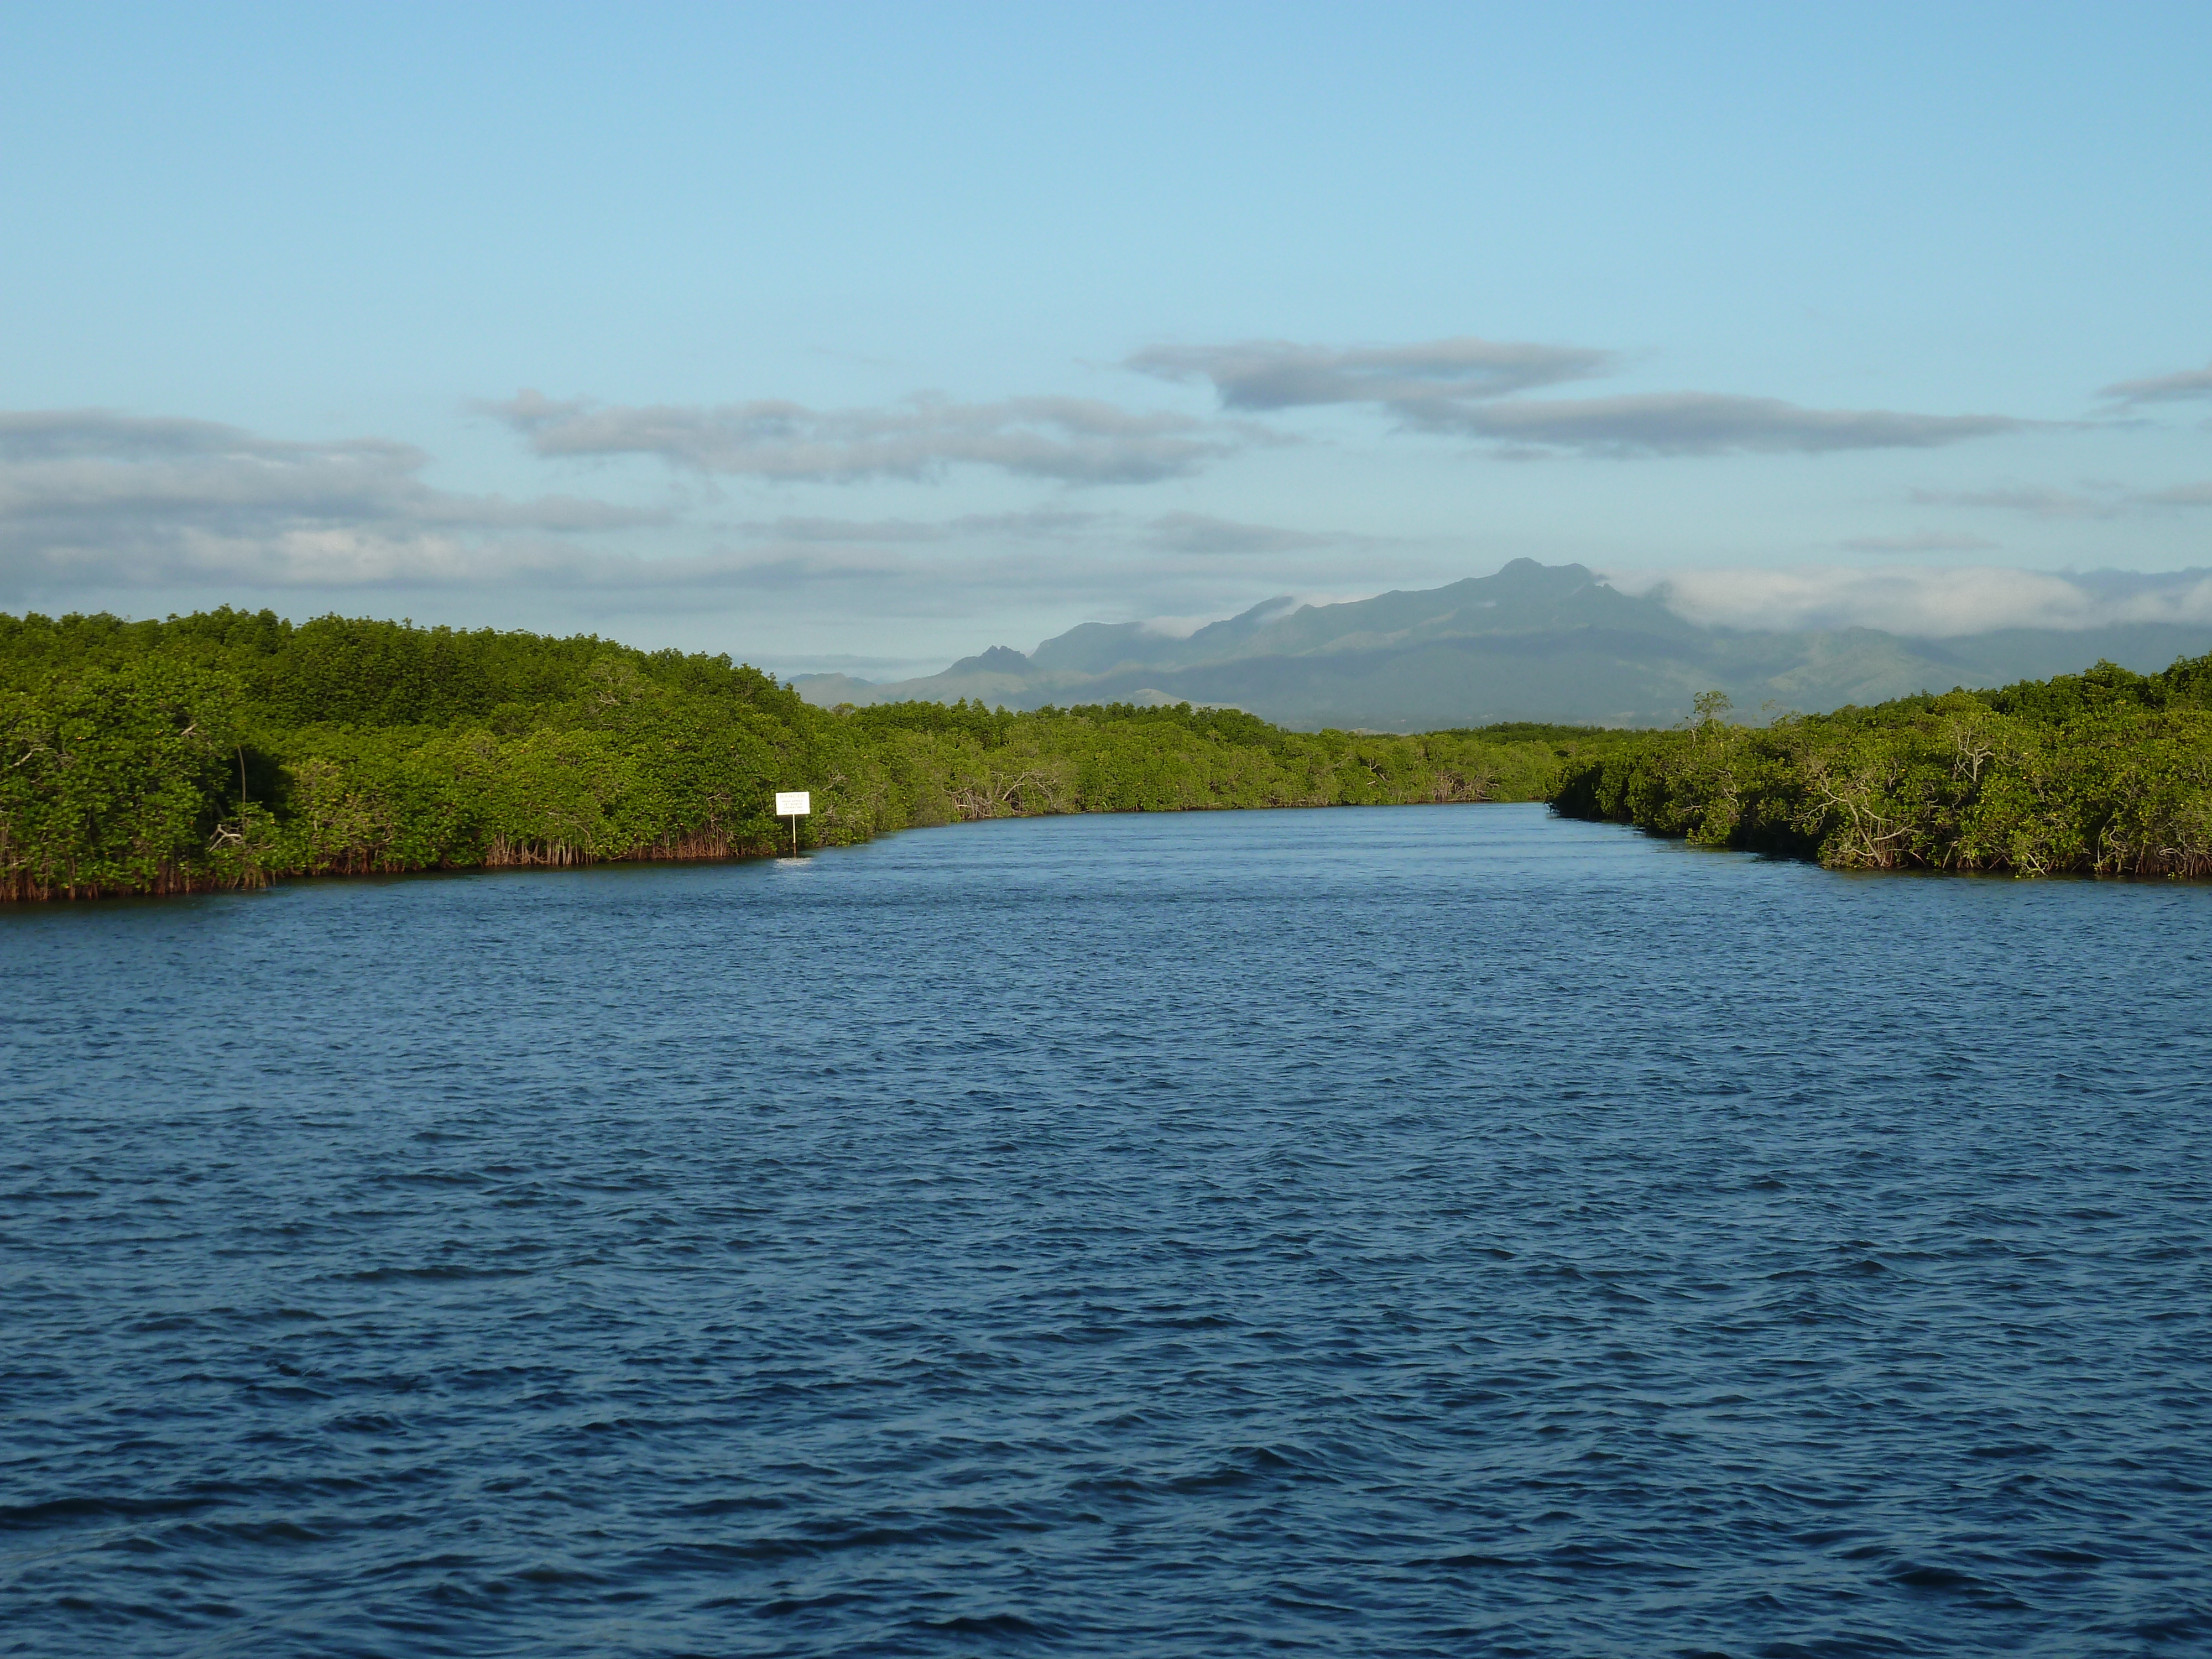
1439,1230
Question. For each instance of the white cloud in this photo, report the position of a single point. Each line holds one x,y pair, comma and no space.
1203,533
89,497
1270,375
1466,387
2190,495
1923,602
1919,541
2189,383
1046,524
1705,423
2089,500
2037,500
1070,440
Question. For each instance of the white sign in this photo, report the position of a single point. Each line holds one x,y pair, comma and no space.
793,803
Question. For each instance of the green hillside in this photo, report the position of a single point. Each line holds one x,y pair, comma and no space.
1530,642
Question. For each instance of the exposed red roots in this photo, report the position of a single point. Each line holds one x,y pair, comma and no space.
24,886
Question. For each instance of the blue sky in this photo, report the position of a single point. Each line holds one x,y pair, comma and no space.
868,336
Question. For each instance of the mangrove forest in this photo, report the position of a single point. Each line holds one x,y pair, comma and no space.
2102,773
229,749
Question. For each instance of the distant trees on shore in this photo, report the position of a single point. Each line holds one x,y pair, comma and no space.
227,749
2105,772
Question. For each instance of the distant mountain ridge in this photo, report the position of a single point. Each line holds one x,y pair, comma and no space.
1532,642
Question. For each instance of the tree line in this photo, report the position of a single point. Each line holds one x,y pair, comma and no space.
2106,772
229,749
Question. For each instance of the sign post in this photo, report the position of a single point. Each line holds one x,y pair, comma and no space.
793,804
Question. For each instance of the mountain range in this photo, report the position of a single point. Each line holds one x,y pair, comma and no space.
1532,642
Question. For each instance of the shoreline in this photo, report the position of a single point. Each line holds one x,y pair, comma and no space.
729,853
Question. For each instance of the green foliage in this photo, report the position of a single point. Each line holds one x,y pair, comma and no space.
229,748
115,780
2105,772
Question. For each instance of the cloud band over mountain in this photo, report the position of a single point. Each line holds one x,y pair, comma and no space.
103,504
1923,603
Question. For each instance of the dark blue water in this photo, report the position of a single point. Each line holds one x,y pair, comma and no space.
1435,1230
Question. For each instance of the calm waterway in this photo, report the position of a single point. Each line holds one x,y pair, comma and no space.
1388,1231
